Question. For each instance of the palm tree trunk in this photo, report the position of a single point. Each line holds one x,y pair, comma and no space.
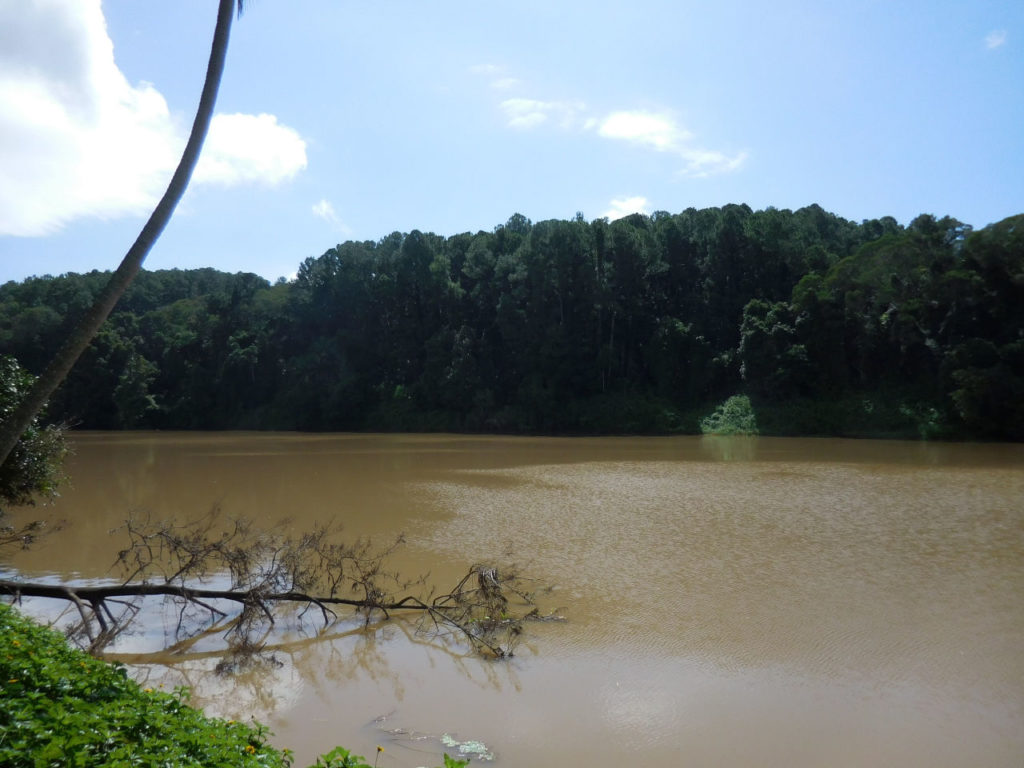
86,329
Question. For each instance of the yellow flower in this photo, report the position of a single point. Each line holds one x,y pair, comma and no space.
231,722
147,690
13,680
250,749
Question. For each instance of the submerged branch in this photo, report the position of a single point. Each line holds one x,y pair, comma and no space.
266,569
92,604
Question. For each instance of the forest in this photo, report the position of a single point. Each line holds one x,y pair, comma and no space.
642,325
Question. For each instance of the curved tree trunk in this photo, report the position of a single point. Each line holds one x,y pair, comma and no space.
80,338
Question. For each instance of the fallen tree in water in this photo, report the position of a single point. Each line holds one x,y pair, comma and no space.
230,575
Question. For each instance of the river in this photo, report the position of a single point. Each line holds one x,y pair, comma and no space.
729,602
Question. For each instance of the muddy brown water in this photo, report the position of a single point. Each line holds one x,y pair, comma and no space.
730,602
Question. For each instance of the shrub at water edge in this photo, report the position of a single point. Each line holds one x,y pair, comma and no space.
733,417
59,706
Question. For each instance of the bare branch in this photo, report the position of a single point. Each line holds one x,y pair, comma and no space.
214,560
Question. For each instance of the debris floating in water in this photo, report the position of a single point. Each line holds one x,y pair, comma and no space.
475,749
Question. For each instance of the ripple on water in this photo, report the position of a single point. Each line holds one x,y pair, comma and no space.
832,567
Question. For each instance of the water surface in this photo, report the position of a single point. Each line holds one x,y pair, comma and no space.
744,602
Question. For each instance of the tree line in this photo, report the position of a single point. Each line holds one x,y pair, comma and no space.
639,325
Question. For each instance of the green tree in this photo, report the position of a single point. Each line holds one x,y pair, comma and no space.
771,362
132,395
984,357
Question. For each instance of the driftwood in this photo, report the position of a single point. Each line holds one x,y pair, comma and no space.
265,569
93,604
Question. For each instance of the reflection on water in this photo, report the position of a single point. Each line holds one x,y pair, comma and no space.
729,447
735,602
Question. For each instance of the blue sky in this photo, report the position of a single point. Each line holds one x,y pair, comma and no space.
349,120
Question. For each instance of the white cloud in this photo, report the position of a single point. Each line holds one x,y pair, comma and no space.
529,113
78,140
255,148
995,38
524,113
75,138
657,131
505,83
624,206
325,210
485,69
701,163
662,133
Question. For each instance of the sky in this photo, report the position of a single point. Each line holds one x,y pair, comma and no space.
348,120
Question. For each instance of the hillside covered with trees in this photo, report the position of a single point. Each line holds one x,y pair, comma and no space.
640,325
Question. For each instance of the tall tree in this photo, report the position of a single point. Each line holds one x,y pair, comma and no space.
86,329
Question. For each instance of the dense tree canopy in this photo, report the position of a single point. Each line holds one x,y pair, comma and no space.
643,324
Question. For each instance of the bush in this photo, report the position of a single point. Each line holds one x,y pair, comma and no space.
34,468
62,707
733,417
59,706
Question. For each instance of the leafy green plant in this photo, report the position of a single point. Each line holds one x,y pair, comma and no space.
733,417
34,468
925,418
339,757
61,707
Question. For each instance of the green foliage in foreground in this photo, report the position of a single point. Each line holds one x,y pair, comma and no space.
733,417
61,707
